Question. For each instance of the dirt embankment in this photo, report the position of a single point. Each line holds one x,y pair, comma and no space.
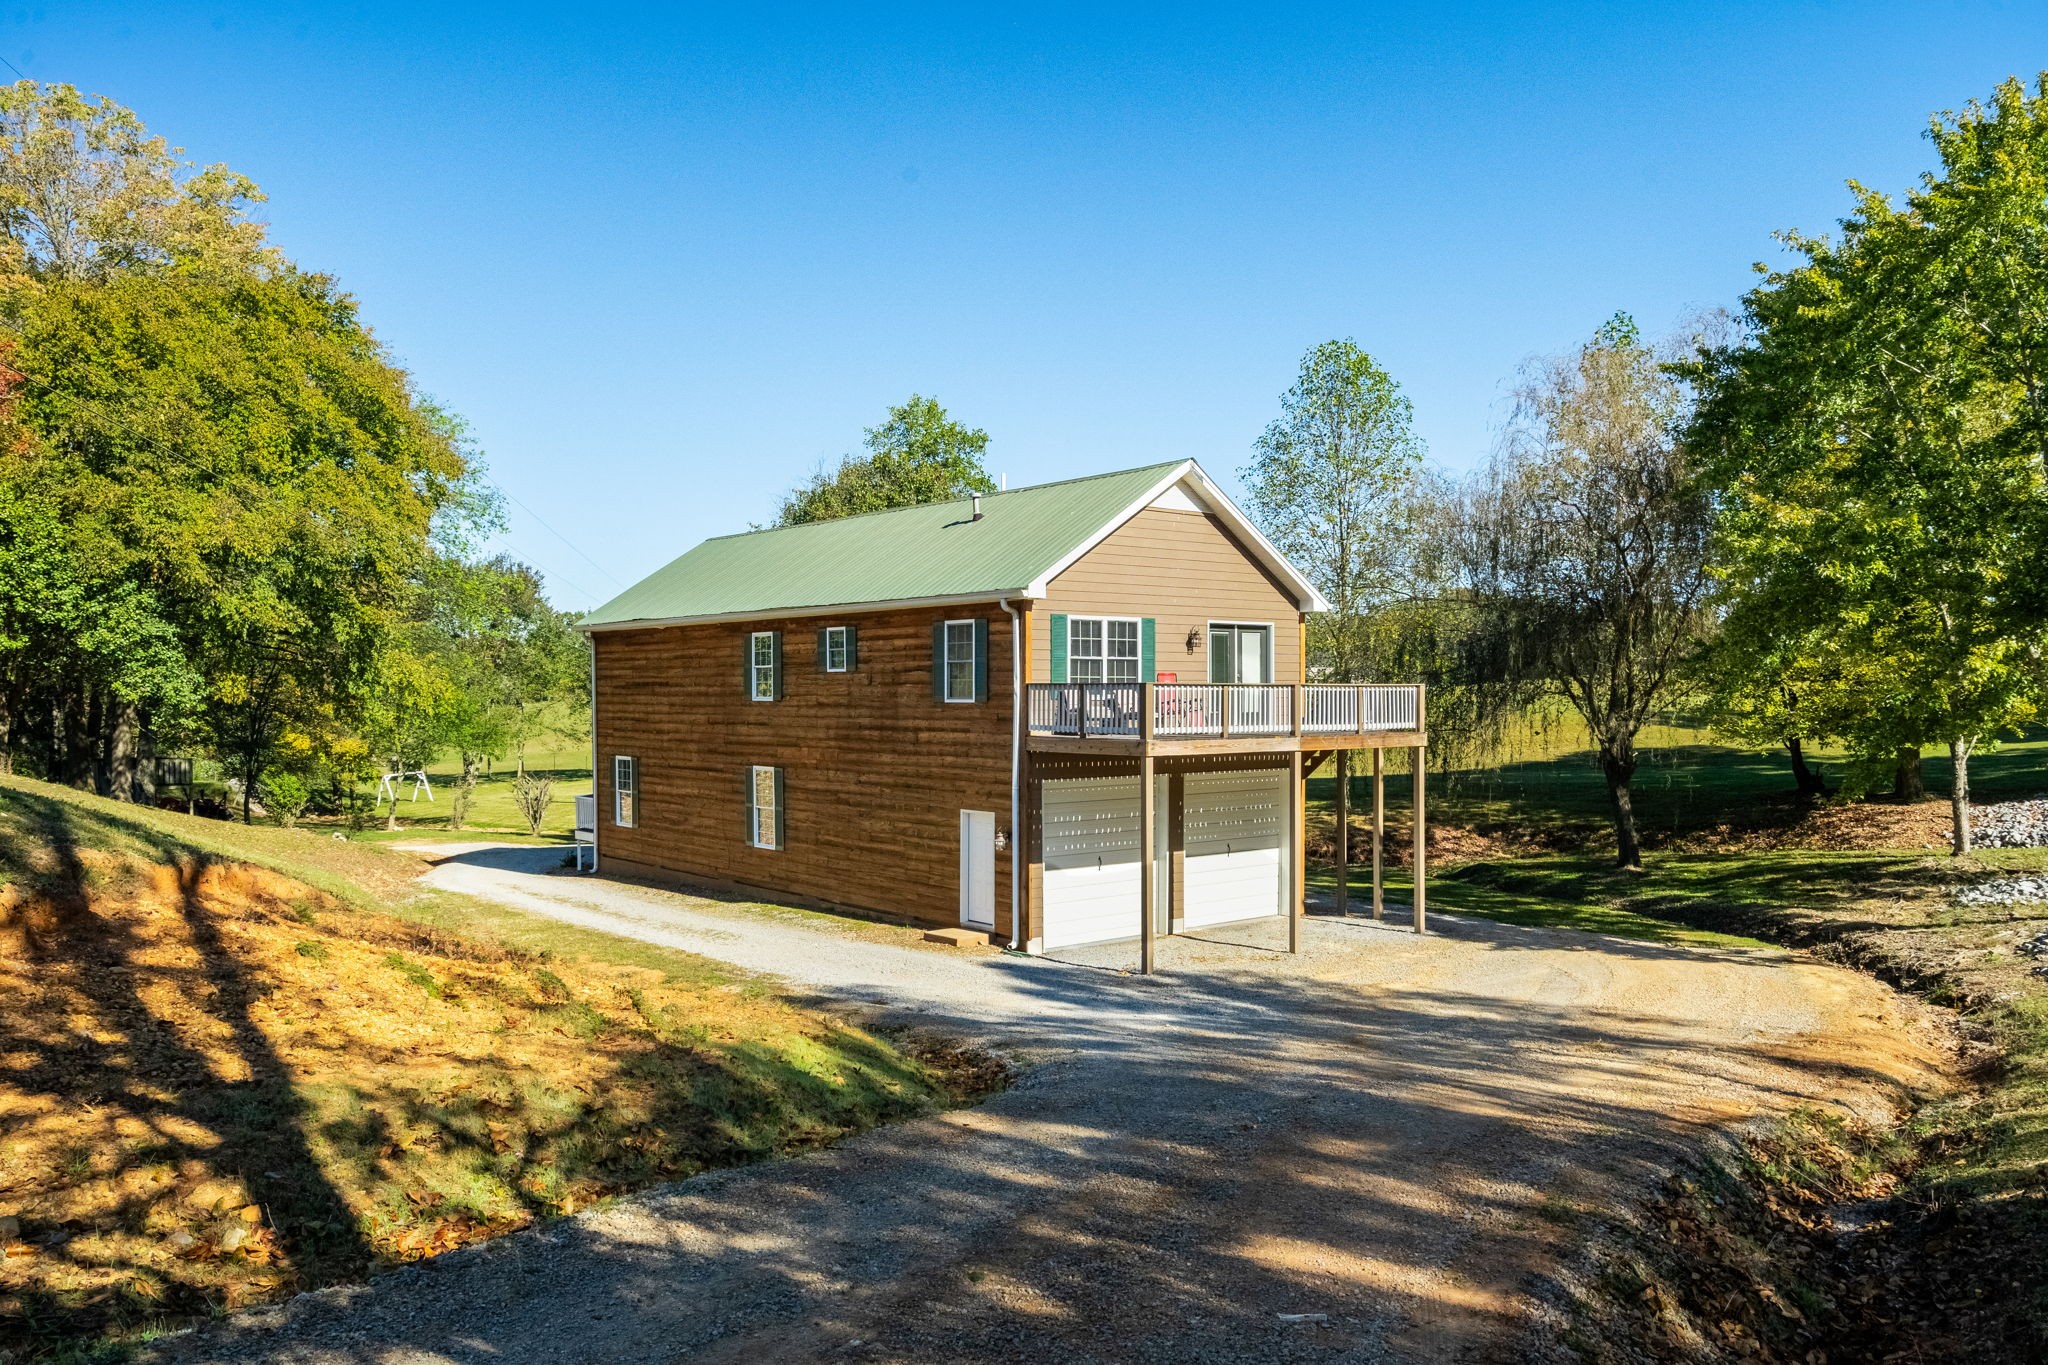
218,1086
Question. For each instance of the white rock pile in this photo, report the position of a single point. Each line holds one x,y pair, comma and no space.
2005,891
2011,824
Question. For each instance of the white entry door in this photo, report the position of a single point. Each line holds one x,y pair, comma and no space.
978,868
1091,849
1235,841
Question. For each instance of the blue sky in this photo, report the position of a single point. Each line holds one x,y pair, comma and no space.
665,262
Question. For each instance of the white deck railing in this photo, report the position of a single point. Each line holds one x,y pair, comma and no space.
1219,710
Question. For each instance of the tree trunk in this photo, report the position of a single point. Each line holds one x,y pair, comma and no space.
122,737
458,800
1810,783
248,790
6,734
1908,782
1618,766
1959,794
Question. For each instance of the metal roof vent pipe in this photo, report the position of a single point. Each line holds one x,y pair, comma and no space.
977,507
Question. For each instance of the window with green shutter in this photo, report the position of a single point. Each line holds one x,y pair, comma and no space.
1105,649
764,665
835,649
764,807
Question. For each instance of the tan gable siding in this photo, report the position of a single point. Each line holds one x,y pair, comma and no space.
1184,570
876,770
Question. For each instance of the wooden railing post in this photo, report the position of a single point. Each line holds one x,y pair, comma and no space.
1081,696
1358,705
1421,895
1297,876
1223,690
1294,700
1379,829
1148,700
1148,854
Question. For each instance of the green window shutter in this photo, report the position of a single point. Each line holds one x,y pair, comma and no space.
1059,648
747,806
981,659
852,662
823,658
747,663
778,809
938,661
1148,660
775,653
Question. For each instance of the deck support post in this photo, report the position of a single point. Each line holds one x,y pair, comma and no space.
1297,872
1379,832
1344,831
1416,755
1147,861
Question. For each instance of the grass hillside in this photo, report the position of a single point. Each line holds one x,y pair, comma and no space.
238,1062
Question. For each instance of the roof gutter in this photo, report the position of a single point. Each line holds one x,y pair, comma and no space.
829,609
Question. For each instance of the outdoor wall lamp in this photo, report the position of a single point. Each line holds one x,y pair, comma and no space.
1002,840
1194,638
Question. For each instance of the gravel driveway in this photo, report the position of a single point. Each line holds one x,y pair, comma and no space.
1378,1134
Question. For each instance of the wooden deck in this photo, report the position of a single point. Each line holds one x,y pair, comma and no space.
1170,719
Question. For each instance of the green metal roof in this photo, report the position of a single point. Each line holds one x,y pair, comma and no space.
910,553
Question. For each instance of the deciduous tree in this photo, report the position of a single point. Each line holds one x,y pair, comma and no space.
1585,547
917,455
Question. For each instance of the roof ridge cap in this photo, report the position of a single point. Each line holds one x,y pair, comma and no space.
943,502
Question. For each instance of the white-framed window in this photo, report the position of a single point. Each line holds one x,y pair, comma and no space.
763,665
625,791
838,651
959,660
764,807
1102,649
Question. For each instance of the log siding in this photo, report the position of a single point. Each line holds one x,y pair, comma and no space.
876,770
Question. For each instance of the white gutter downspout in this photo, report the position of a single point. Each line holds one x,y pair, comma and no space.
1016,755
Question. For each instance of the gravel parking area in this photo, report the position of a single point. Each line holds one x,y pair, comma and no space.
1353,1155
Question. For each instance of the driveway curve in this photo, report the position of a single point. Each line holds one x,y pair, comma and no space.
1351,1155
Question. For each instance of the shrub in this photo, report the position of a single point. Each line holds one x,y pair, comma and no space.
286,795
531,792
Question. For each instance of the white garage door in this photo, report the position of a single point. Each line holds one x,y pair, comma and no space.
1091,860
1235,836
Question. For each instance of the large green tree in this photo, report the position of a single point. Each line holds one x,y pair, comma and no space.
239,453
1877,445
917,455
1332,483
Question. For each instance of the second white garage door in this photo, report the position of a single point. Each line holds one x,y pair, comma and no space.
1091,860
1235,835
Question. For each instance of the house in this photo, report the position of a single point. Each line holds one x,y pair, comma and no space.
830,713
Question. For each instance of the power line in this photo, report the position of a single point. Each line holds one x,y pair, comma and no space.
557,535
15,69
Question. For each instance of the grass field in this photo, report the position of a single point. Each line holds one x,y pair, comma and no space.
236,1062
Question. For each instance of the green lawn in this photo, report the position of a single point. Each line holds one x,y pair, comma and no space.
1684,782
